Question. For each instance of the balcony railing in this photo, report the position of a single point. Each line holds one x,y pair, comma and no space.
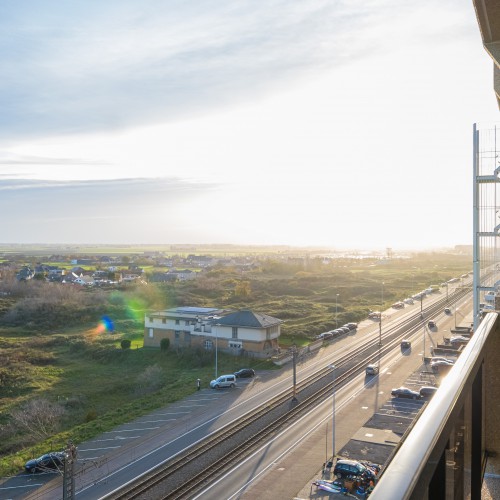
444,455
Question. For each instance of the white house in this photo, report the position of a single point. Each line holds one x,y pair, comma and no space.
239,332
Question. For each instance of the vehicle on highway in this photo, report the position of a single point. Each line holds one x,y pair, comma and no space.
51,461
406,344
404,392
431,324
371,369
447,310
245,373
353,468
224,381
427,391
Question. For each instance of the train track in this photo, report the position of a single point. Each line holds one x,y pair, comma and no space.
187,473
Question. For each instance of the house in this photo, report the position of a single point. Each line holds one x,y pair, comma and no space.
242,332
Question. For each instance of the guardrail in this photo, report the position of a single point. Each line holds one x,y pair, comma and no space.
444,455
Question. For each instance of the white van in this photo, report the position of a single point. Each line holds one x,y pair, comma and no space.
224,381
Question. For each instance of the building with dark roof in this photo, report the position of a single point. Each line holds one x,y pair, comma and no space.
242,332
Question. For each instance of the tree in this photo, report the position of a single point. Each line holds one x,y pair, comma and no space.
39,417
125,343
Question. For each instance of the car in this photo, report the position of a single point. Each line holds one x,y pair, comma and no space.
375,315
245,373
371,369
51,461
405,344
404,392
345,329
435,359
431,324
224,381
346,468
441,366
409,301
459,339
352,326
447,310
325,335
427,391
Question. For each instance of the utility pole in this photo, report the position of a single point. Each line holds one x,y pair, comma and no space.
69,472
294,358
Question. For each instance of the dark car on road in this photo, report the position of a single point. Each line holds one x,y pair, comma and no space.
431,324
245,373
49,462
405,344
404,392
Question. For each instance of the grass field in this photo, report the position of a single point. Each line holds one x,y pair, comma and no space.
79,366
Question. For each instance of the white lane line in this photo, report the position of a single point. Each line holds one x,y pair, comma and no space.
114,439
97,449
170,413
134,430
22,486
155,421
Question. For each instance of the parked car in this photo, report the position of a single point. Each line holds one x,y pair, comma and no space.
447,310
50,461
326,335
345,329
352,326
427,391
431,324
441,366
224,381
409,301
345,468
245,373
371,369
404,392
405,344
435,359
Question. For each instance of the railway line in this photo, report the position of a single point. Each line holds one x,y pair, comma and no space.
187,473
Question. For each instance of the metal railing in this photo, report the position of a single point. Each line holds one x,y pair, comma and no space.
444,454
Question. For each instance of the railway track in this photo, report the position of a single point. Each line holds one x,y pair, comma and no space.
187,473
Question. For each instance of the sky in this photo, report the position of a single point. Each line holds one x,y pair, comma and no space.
342,124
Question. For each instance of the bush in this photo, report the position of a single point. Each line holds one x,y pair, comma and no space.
164,344
125,343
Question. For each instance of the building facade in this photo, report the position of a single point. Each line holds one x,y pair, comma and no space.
238,333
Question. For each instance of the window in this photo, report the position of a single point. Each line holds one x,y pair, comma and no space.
151,319
151,333
235,345
163,320
208,345
186,323
235,332
177,322
177,334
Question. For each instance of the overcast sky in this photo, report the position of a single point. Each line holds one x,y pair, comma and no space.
341,123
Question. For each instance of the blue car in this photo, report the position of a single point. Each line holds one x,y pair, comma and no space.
49,462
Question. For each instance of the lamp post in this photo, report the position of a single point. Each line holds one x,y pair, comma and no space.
332,367
216,337
337,311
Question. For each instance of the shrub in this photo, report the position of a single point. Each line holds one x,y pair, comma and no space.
125,343
164,344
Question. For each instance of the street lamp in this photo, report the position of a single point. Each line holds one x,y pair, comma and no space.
337,311
216,327
332,367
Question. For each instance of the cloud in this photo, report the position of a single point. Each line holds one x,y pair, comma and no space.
87,66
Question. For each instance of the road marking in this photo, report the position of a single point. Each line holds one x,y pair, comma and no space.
133,430
154,421
22,486
97,449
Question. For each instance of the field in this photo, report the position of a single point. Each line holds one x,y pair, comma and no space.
60,359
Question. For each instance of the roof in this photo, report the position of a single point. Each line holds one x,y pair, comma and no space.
193,310
249,319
